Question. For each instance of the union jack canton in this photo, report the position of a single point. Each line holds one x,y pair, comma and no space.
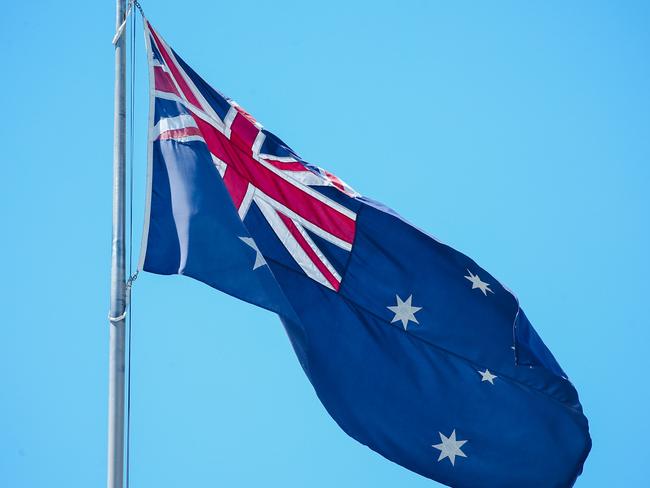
256,167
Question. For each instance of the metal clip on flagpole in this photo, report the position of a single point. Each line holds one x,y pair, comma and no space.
122,27
129,286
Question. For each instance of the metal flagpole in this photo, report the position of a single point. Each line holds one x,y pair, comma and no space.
115,476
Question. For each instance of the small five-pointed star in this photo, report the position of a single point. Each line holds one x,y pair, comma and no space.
487,376
449,447
404,311
259,259
478,283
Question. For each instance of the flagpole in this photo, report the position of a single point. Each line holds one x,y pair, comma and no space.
115,475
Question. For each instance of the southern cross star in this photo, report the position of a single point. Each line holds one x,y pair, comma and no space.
478,283
259,259
487,376
404,311
449,447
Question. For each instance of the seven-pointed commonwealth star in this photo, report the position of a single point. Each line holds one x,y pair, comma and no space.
404,312
259,259
487,376
450,447
477,283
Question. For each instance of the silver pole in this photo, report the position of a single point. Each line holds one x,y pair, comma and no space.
115,475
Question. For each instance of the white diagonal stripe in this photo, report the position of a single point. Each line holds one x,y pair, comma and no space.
228,120
317,251
292,245
205,106
307,177
221,166
216,123
280,159
311,192
257,144
259,194
246,201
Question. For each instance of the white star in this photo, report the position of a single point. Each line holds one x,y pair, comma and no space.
450,447
487,376
404,312
259,259
477,283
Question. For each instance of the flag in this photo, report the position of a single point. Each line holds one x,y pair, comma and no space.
413,348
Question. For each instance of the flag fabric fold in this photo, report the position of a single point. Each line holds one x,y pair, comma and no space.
413,348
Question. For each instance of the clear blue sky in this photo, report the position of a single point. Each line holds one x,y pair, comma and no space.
518,133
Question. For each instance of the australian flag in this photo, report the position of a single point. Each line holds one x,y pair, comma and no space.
413,348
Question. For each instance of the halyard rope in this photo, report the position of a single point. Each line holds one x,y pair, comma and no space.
132,276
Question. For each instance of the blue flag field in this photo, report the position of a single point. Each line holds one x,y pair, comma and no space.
413,348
